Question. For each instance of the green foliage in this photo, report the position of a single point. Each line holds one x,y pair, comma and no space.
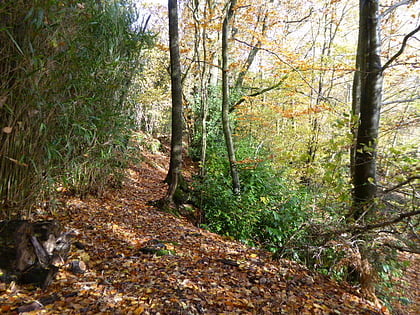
285,223
151,93
213,123
268,212
390,269
68,68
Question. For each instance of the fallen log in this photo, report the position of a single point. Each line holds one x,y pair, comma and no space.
32,252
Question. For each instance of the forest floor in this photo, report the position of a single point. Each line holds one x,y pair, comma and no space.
198,272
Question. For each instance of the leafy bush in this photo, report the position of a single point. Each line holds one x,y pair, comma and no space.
268,212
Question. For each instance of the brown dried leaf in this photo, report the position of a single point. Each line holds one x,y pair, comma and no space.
7,130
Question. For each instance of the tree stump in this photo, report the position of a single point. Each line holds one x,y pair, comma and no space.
31,252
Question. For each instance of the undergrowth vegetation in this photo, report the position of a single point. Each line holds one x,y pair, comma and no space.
272,209
67,68
292,220
295,210
267,212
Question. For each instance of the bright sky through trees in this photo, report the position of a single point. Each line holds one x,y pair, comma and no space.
161,2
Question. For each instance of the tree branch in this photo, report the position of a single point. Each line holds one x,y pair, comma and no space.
203,62
368,227
144,25
399,52
361,229
408,180
403,249
393,7
311,10
253,52
243,99
401,101
295,69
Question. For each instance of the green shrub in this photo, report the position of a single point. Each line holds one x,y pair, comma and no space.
268,211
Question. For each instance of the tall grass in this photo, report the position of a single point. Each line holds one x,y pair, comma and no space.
66,67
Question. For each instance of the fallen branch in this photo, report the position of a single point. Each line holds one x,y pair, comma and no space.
40,252
408,180
32,252
284,247
355,229
368,227
403,249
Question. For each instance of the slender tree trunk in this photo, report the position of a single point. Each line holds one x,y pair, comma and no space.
355,107
200,50
367,100
253,52
225,100
174,174
204,112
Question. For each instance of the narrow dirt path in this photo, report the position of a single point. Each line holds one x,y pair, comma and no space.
193,271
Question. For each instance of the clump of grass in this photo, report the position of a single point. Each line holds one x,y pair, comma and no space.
64,118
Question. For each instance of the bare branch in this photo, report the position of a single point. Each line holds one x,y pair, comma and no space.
311,10
144,25
253,52
295,69
403,249
368,227
203,62
243,99
401,101
408,180
399,52
356,229
393,7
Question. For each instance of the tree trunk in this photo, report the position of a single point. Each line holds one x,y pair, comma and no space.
225,100
175,166
355,106
369,94
200,51
254,50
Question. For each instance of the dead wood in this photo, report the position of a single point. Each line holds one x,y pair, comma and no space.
32,251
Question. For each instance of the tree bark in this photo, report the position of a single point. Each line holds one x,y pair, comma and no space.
225,100
174,173
355,106
367,104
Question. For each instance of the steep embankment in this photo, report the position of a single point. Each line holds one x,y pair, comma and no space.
192,270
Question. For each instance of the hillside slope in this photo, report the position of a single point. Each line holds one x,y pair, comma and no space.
143,261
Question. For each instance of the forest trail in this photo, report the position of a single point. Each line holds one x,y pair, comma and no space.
198,272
